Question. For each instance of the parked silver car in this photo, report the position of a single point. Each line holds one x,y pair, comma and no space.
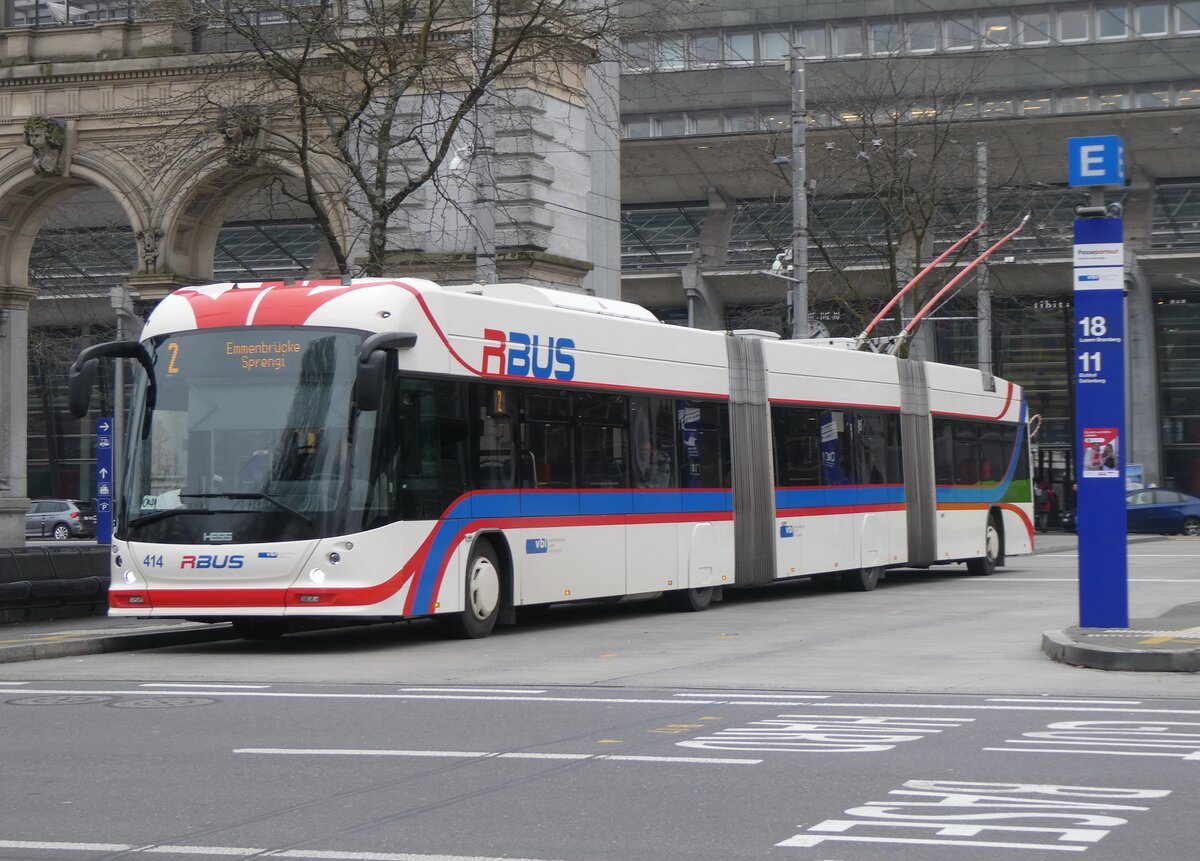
60,519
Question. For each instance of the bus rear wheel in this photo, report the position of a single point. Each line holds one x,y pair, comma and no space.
689,600
862,580
993,550
481,596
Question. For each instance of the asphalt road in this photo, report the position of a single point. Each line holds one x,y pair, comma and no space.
919,722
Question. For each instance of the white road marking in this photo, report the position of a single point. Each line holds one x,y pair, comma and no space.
758,695
1073,702
480,754
204,685
350,696
806,841
243,852
473,690
14,683
1190,756
1032,706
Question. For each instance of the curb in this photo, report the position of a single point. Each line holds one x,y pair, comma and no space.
1060,647
96,645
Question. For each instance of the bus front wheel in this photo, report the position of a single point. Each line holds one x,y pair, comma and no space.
993,550
481,596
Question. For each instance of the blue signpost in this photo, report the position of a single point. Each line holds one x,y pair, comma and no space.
1100,438
104,479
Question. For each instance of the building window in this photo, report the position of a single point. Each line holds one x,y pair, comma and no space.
960,34
705,49
997,31
885,38
1074,103
848,40
777,120
743,122
774,46
922,35
815,42
1036,107
1187,96
672,54
1154,99
639,127
1035,28
707,124
1110,101
1150,19
739,48
1187,16
639,55
1111,22
669,127
1073,25
996,107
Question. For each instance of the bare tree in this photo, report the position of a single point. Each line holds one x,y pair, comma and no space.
894,177
370,97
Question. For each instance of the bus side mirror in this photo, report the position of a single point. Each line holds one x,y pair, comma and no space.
372,366
81,378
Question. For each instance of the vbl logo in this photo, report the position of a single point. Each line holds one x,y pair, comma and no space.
521,355
208,561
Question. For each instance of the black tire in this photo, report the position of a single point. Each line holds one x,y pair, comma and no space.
1191,526
689,600
993,548
61,532
482,589
861,580
258,628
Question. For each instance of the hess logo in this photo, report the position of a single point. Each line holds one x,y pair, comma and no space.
207,560
520,355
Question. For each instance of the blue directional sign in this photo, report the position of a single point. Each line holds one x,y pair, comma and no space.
104,479
1096,160
1100,438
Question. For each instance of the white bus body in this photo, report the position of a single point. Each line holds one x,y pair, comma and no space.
826,464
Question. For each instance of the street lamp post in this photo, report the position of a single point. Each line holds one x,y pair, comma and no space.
799,290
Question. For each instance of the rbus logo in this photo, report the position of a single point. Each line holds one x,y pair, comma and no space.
209,561
520,355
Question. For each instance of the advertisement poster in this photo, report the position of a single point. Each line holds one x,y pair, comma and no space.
1101,453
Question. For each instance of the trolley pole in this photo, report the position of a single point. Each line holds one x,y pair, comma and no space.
799,291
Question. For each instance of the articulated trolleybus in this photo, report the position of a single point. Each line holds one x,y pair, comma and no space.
392,448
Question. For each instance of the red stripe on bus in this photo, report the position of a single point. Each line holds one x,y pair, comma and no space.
996,417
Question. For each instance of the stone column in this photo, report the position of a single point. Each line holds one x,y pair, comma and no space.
14,396
1143,423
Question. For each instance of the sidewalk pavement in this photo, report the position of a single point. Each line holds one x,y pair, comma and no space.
92,635
1170,643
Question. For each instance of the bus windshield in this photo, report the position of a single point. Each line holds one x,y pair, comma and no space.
248,439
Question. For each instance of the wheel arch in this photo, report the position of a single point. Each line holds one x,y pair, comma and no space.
498,541
996,515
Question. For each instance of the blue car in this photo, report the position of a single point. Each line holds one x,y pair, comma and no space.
1166,511
1154,510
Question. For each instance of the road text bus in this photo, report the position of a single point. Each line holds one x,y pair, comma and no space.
392,448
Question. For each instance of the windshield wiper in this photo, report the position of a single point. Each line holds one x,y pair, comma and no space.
155,516
250,495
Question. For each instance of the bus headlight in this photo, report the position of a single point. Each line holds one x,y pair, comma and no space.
334,558
316,575
130,577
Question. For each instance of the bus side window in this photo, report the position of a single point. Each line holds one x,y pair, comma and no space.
652,442
797,434
547,453
943,451
493,438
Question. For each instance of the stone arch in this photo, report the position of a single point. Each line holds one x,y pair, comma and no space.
27,201
198,202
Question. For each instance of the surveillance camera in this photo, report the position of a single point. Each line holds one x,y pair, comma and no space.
877,142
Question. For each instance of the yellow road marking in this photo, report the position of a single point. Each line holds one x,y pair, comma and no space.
1174,636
